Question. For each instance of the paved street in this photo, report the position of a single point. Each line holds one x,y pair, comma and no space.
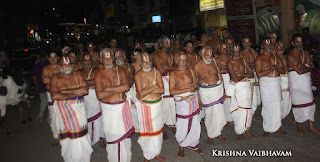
31,142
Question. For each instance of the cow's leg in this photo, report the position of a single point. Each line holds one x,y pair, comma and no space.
28,111
23,121
3,124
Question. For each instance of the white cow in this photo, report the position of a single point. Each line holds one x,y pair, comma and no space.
11,94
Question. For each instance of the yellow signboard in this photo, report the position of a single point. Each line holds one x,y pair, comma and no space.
206,5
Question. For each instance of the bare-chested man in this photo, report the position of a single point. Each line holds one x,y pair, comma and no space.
150,87
73,59
183,85
240,92
268,68
111,84
208,74
203,40
215,42
113,44
192,58
135,60
229,42
120,57
225,34
286,103
273,38
251,55
175,46
91,102
47,72
300,65
163,61
91,48
67,89
222,60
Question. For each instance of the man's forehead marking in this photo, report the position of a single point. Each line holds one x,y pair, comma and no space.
145,58
267,41
53,54
236,48
246,40
87,57
117,54
107,54
66,60
299,39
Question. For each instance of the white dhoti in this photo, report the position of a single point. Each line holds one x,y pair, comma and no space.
255,93
71,122
271,97
240,108
118,127
303,102
169,110
227,101
93,112
286,103
151,125
132,96
212,99
188,122
53,117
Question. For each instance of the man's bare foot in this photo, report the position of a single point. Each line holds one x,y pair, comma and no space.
102,144
221,138
240,137
300,130
311,128
198,151
55,143
174,130
248,134
181,153
289,119
266,134
256,120
231,123
160,158
202,123
146,160
281,132
210,141
314,131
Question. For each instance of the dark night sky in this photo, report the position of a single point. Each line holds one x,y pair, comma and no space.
16,14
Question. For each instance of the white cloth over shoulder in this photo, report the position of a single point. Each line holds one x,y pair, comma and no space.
188,122
240,108
271,97
303,102
95,128
118,127
151,125
212,99
169,110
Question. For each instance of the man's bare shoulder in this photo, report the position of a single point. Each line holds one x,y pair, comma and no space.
199,63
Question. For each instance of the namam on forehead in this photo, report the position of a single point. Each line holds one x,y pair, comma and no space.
246,40
65,60
87,57
145,58
236,48
52,54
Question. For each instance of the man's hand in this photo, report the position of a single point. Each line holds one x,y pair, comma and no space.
193,85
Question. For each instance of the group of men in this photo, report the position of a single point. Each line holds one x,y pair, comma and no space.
101,97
